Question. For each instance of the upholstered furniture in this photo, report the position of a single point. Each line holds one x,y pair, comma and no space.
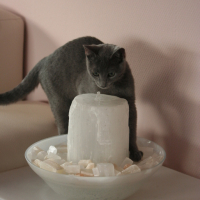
25,122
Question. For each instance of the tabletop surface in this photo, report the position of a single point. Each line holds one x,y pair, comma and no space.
165,184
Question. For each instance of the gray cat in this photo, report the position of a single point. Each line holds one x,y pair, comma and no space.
84,65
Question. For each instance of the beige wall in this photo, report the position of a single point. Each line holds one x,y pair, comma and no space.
162,41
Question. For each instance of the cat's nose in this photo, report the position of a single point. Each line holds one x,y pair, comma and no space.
103,85
102,82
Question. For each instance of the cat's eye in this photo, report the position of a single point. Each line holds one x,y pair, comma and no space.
95,74
111,74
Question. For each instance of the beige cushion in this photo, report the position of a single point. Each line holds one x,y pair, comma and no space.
21,125
11,50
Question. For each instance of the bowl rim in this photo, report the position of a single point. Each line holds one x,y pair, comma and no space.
91,178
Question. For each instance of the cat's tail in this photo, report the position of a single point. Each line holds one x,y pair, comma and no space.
24,88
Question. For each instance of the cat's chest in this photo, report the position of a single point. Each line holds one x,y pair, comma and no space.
86,86
92,88
83,89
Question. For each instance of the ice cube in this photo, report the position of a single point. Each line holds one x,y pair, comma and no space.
52,155
47,167
84,162
86,172
90,166
130,170
53,164
126,166
147,151
95,171
72,169
31,156
127,161
118,168
37,162
52,149
41,155
58,161
33,153
106,169
64,165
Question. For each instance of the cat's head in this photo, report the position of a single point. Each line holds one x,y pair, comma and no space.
106,63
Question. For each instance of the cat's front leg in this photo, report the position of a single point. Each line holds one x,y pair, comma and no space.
135,154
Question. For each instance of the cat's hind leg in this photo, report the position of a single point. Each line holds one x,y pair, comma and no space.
60,110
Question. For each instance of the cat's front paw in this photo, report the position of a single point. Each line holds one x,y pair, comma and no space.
136,156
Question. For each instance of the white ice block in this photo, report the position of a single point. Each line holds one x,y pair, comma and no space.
72,169
41,155
130,170
86,172
98,129
127,161
52,155
95,171
84,163
106,169
90,166
33,154
58,161
52,149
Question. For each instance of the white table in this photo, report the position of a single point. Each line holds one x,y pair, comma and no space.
165,184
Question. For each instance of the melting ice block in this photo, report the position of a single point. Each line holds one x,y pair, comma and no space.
52,149
52,155
41,155
98,129
126,163
72,169
33,154
106,169
86,172
131,169
84,162
95,171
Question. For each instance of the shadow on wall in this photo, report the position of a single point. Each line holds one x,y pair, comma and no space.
167,93
38,43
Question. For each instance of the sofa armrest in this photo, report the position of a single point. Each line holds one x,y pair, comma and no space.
11,50
21,125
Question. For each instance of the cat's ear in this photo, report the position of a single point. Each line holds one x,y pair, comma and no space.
91,50
118,55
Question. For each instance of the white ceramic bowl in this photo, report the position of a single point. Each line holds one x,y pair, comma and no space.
94,188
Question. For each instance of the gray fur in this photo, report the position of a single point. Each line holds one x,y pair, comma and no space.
84,65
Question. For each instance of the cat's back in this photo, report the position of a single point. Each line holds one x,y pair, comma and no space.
69,58
73,51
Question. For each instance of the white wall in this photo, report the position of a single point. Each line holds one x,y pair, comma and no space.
162,41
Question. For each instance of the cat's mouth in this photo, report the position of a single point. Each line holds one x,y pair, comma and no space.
103,87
